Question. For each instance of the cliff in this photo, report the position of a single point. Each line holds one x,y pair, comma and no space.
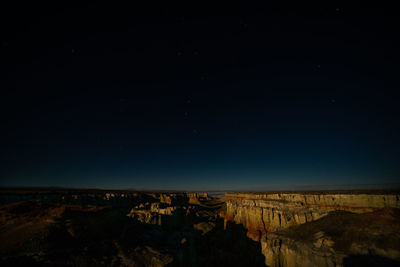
318,229
283,251
262,213
331,240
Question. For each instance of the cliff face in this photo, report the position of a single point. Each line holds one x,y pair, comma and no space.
309,229
329,241
282,251
262,213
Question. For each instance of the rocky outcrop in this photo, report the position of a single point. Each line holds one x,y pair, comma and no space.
277,219
262,213
331,240
157,213
180,198
196,198
283,251
169,209
204,227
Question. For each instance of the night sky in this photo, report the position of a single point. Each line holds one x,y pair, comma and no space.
198,98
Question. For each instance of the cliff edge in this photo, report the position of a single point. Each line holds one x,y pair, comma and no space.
324,219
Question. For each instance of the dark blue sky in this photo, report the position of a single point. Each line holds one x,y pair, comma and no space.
165,98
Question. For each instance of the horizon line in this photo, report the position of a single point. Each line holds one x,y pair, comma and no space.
366,186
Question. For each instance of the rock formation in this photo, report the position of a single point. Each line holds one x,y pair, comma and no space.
282,251
262,213
114,228
171,208
266,216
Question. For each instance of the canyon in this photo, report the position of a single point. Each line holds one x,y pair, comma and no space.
63,227
318,229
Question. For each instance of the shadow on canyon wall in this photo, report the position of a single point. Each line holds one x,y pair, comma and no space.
219,247
369,261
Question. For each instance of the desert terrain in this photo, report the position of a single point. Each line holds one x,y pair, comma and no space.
69,227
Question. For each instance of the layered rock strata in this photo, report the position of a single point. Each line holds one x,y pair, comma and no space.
331,240
263,213
283,251
336,225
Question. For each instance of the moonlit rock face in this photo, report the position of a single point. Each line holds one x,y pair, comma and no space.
289,253
261,213
267,216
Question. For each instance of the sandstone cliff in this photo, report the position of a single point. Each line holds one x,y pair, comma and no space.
262,213
276,219
329,241
283,251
